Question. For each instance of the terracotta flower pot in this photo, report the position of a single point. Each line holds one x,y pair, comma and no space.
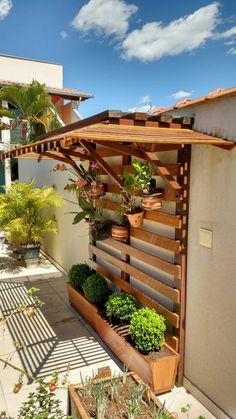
152,202
120,233
136,219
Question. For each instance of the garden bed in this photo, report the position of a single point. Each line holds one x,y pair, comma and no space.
157,369
82,404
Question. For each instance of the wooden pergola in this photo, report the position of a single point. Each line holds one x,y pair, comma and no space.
142,136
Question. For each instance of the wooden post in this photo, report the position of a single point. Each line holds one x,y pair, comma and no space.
126,159
182,208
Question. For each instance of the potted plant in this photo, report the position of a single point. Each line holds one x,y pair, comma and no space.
120,230
135,335
151,195
88,188
135,184
23,218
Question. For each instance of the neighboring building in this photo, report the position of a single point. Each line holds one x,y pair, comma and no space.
210,355
17,70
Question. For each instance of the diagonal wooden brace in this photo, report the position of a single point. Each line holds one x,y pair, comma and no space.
102,163
161,170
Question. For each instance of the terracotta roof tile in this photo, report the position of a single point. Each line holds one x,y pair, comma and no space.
189,102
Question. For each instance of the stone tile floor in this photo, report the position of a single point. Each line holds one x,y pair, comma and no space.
54,338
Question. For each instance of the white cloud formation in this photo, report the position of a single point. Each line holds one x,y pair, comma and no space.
144,99
181,94
231,51
5,7
63,34
144,105
229,42
154,40
226,34
108,17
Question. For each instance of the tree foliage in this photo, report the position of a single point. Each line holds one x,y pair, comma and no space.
23,212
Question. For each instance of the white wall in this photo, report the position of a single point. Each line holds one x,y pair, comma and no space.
210,359
70,245
22,70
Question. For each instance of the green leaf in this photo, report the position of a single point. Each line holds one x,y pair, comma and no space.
85,205
79,217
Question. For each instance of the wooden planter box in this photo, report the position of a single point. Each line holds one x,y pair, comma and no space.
76,407
159,373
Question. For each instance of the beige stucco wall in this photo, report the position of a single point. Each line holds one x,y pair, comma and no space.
21,70
70,245
210,360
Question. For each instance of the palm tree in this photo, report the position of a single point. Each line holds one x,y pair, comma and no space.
34,106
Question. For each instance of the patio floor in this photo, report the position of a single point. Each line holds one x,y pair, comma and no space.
54,338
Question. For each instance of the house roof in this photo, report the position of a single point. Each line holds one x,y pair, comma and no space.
69,94
115,130
216,94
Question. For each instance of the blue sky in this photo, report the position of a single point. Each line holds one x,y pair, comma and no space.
127,52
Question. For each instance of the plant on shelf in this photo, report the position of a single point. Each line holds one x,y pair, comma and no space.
78,275
96,289
88,188
135,184
120,307
23,218
147,330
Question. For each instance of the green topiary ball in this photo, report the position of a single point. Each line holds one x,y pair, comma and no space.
120,307
147,330
96,289
78,275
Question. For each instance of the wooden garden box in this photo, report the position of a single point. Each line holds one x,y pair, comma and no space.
78,411
158,373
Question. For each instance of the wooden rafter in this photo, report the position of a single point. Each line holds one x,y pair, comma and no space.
161,170
102,163
71,152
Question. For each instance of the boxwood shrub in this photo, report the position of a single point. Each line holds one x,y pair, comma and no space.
120,307
96,289
147,330
78,275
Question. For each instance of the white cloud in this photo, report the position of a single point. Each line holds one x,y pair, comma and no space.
144,105
5,7
180,94
226,34
144,99
63,34
231,51
229,42
108,17
154,40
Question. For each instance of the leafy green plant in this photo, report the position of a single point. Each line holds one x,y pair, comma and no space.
96,289
147,330
22,212
120,307
133,404
78,274
100,399
134,184
42,404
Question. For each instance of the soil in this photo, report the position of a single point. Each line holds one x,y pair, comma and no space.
117,408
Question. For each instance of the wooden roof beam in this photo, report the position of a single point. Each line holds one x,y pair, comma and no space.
161,170
102,163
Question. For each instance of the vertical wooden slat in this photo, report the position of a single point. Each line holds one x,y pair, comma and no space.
184,157
126,159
